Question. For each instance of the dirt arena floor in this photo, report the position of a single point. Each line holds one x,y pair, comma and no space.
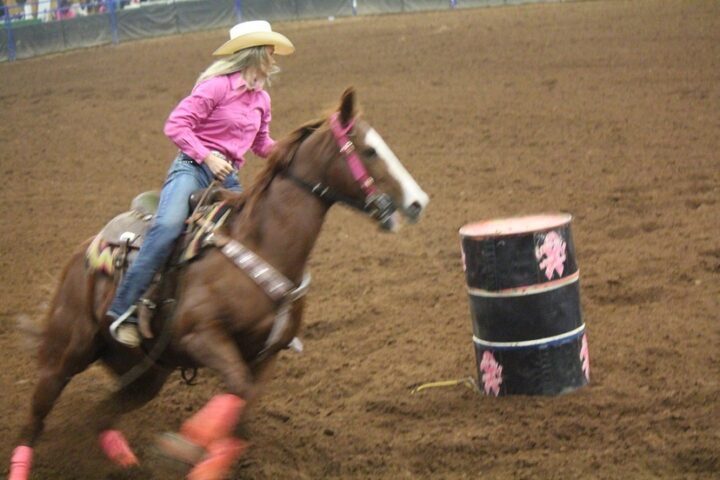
607,110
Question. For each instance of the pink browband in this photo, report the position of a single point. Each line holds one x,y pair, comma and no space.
347,148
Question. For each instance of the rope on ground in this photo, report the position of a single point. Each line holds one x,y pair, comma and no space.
468,382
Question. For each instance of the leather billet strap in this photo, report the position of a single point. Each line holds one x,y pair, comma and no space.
282,321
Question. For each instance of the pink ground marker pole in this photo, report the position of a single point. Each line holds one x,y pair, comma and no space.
116,447
20,463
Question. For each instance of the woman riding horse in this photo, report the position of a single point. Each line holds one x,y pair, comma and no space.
227,113
228,314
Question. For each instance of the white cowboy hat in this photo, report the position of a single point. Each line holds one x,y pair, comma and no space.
254,34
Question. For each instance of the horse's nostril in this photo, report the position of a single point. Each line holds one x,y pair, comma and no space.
413,211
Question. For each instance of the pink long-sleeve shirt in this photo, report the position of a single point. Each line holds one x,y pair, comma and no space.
222,114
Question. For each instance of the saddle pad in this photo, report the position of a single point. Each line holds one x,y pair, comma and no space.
101,256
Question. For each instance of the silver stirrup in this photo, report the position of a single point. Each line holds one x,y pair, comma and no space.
126,337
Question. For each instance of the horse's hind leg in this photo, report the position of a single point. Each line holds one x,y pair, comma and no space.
69,345
54,376
52,381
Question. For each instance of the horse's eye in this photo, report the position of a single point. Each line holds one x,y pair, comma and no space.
369,152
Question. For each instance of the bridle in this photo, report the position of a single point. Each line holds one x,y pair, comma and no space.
377,205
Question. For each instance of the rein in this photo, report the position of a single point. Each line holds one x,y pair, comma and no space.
378,205
324,193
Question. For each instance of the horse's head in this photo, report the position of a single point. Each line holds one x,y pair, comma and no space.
356,167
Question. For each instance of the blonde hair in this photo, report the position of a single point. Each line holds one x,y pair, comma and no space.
255,63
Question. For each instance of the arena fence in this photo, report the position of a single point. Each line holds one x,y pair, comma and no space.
37,27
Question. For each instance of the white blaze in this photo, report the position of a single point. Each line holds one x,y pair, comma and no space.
412,193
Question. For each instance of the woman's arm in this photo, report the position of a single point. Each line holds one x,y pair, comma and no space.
192,111
263,143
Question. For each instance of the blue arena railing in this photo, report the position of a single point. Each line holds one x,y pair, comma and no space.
38,27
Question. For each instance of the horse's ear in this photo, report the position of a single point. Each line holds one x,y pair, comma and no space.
347,106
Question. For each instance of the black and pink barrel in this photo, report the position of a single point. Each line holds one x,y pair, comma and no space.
523,285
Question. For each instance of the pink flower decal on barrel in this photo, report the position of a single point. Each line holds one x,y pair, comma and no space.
552,254
585,357
492,373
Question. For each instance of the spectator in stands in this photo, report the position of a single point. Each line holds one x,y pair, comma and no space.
65,10
94,6
27,11
44,10
226,114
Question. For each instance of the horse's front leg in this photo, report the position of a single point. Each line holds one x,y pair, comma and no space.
207,439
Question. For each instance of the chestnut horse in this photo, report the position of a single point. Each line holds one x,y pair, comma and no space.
223,319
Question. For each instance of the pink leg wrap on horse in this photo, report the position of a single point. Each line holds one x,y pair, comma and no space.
20,463
214,421
220,457
117,449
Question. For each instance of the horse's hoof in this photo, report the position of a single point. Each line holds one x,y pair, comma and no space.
222,454
179,448
117,449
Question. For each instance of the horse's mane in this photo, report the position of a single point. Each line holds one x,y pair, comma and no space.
280,158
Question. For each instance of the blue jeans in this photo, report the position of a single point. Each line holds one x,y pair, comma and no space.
184,177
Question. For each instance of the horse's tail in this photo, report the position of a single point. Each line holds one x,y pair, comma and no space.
30,330
31,333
